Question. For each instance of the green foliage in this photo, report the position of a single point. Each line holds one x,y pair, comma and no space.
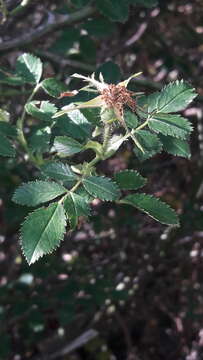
116,10
57,170
153,207
53,87
66,146
42,110
42,231
147,3
172,98
131,119
37,192
130,180
75,206
102,188
150,143
175,146
99,126
6,148
173,125
7,129
29,68
96,27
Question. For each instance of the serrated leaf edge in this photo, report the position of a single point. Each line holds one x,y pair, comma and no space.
146,212
35,181
132,171
96,197
60,239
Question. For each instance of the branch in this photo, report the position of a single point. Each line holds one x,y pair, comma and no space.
63,62
19,8
53,22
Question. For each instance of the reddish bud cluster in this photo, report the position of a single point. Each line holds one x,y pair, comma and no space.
117,96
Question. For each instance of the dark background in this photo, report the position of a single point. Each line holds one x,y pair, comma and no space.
135,282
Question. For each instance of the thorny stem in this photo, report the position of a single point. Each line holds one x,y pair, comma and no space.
107,130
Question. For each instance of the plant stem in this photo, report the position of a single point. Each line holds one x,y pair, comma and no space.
142,125
76,185
4,11
107,130
20,125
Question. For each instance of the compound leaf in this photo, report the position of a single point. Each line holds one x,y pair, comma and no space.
37,192
101,187
42,231
154,207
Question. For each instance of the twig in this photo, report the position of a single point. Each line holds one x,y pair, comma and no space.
74,345
127,336
63,62
53,22
19,8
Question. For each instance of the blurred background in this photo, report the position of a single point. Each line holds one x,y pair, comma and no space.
122,286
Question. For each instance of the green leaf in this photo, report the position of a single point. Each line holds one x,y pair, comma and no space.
75,206
81,3
6,148
175,146
79,124
42,231
150,144
100,27
57,170
66,146
42,110
65,41
82,192
29,67
37,192
147,104
116,10
39,141
53,87
130,180
154,207
110,71
131,119
4,115
12,79
113,145
175,97
146,3
173,125
7,129
102,188
87,48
